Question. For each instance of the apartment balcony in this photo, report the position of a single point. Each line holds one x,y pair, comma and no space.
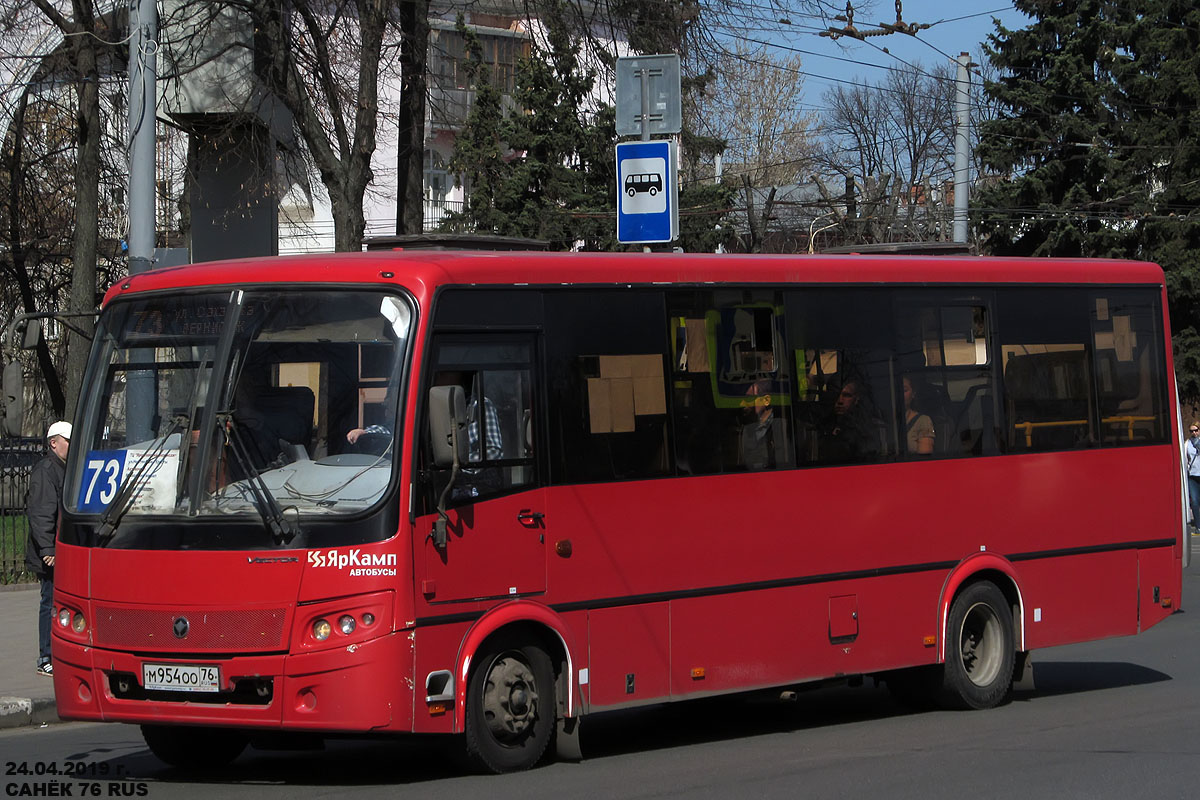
448,108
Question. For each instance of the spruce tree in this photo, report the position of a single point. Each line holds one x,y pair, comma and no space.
1159,76
479,152
548,169
1097,152
564,176
1051,150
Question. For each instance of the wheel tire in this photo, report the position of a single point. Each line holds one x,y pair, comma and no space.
631,191
979,648
510,707
194,748
653,191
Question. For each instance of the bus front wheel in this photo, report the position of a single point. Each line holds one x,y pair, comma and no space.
193,748
510,707
979,648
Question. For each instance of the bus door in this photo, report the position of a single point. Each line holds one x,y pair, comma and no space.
496,527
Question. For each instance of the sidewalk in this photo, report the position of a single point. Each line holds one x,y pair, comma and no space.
26,698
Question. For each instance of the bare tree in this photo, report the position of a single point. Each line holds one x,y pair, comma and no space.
57,53
35,232
892,145
414,44
322,61
753,106
80,31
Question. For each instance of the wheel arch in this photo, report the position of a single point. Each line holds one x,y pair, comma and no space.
534,621
983,566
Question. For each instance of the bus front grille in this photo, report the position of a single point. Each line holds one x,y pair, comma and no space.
190,630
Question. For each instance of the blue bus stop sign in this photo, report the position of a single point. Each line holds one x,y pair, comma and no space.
647,192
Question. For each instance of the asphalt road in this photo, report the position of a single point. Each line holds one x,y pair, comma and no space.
1112,719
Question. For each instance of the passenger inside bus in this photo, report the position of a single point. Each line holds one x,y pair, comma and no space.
918,427
765,443
854,433
375,439
492,437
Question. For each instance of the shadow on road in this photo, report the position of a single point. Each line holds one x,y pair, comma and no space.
414,760
1071,677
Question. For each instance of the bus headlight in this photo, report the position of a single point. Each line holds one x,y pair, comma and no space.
70,619
321,630
346,624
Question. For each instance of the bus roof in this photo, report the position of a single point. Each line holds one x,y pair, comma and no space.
425,270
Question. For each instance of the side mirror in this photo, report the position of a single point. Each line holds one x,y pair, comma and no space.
447,425
14,398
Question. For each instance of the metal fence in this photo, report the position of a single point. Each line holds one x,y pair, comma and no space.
17,457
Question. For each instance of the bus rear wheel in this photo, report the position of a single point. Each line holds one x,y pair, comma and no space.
979,648
510,707
194,748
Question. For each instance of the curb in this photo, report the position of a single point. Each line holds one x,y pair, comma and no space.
16,712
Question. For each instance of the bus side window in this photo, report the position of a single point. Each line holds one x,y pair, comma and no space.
1127,334
1047,369
497,379
731,381
606,371
841,342
944,353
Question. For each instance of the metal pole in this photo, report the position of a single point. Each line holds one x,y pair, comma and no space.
961,147
720,247
143,51
644,73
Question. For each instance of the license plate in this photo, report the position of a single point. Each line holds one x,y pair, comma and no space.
182,677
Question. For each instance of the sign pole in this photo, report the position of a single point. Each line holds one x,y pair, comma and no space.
645,76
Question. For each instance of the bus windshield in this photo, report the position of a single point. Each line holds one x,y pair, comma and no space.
279,404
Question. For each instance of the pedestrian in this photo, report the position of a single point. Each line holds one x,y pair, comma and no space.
1192,454
42,507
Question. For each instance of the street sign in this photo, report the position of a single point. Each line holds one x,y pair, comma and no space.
647,192
660,73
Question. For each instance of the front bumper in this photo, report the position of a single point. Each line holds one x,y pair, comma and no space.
359,688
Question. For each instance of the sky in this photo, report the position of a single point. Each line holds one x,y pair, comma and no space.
955,27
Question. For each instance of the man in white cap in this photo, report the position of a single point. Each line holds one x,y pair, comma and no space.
42,507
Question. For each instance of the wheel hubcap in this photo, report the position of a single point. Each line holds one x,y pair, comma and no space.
510,698
981,649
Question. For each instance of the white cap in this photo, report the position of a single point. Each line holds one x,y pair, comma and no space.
60,428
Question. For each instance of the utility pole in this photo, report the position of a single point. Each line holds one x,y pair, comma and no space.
143,72
962,146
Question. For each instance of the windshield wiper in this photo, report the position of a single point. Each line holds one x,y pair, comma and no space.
282,528
143,468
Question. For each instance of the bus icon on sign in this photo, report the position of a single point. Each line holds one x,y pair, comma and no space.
650,182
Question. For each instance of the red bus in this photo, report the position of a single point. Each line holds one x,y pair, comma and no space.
487,494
